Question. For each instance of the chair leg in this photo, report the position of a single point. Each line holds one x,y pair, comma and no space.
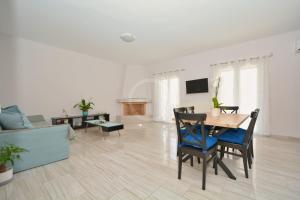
204,173
179,164
244,154
192,160
216,164
249,159
251,149
198,160
222,152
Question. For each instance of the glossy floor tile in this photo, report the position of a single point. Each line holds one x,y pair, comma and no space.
141,164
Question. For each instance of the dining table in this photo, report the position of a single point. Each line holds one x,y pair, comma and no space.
224,122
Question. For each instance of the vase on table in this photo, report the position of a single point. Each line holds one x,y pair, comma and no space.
215,112
85,113
6,175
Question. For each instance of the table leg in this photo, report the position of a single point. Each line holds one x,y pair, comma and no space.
119,133
225,169
103,133
86,126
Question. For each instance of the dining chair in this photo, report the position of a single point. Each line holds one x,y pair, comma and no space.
180,110
229,109
195,142
241,140
190,109
186,157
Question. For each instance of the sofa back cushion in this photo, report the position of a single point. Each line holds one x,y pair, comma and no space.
12,118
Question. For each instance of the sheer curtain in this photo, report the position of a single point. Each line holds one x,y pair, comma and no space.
166,97
245,84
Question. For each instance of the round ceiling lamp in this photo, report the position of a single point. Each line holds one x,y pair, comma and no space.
127,37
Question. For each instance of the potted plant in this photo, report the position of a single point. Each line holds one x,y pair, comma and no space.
216,110
84,106
8,154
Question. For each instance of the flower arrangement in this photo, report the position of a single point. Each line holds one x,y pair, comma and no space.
84,106
8,154
215,98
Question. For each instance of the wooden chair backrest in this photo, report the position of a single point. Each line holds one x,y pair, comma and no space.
194,120
229,109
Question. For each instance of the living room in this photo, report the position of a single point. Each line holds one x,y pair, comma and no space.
133,62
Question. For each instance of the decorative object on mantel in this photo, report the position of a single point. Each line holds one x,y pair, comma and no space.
216,110
85,106
8,154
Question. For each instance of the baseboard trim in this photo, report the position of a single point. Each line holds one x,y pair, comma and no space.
282,137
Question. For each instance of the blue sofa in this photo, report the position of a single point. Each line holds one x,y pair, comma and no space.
45,143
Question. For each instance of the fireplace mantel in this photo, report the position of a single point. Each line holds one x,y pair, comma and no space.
134,106
133,100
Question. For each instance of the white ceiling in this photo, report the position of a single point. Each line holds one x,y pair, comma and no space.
164,29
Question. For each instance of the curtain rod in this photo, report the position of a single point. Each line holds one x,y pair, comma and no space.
167,72
244,59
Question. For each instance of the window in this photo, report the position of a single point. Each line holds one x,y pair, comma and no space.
245,84
226,91
248,89
166,97
239,87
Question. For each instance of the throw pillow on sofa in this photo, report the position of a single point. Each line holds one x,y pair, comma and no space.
13,108
12,118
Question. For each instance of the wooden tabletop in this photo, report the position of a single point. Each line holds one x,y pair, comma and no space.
226,120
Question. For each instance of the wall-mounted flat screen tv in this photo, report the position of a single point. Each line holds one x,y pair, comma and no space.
197,86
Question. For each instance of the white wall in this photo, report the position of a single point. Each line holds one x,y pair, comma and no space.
284,77
44,80
8,83
136,82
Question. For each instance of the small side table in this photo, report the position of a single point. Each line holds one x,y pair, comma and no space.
105,126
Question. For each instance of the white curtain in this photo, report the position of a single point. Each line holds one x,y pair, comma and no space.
166,97
245,84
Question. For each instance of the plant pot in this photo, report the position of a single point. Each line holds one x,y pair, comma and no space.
6,176
85,113
215,112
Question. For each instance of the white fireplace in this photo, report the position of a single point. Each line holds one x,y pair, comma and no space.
134,106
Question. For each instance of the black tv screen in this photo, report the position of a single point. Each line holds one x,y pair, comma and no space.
197,86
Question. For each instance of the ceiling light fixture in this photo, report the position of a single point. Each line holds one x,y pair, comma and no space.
127,37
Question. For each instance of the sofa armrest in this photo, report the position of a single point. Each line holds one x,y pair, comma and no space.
44,145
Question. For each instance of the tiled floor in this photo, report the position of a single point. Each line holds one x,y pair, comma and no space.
141,164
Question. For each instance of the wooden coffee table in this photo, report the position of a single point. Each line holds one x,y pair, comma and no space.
105,126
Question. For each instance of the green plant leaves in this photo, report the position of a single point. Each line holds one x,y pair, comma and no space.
10,153
84,105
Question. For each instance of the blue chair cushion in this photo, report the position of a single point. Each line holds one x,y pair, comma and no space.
195,140
235,136
206,127
12,118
